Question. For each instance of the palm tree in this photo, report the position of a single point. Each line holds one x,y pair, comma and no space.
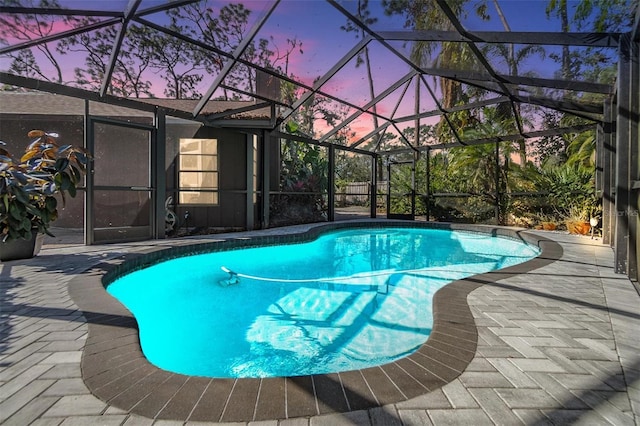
582,149
427,15
365,16
513,60
482,173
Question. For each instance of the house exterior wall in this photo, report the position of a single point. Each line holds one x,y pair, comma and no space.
125,158
230,212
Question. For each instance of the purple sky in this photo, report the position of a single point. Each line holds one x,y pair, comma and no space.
317,25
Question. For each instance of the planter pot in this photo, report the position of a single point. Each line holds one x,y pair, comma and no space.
21,249
548,226
578,227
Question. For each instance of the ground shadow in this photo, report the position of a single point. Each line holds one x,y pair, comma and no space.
44,268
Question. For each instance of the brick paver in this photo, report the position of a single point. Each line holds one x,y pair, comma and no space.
557,345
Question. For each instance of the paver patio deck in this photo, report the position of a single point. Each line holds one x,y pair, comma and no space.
556,345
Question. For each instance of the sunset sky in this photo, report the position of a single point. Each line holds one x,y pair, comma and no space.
317,26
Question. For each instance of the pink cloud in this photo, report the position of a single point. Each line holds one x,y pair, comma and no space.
18,29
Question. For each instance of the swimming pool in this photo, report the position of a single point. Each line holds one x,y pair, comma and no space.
347,300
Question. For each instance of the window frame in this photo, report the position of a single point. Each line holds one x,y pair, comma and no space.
200,156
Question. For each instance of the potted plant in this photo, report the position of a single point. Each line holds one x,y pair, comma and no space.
580,213
28,189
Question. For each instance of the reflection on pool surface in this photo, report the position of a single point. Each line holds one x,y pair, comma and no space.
350,299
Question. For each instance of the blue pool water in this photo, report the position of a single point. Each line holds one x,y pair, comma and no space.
348,300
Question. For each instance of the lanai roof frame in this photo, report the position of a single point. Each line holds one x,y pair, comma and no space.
491,80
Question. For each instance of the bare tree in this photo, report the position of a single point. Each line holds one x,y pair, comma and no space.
25,27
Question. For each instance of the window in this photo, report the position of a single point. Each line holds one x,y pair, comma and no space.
198,171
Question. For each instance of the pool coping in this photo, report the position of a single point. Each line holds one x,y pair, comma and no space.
116,371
